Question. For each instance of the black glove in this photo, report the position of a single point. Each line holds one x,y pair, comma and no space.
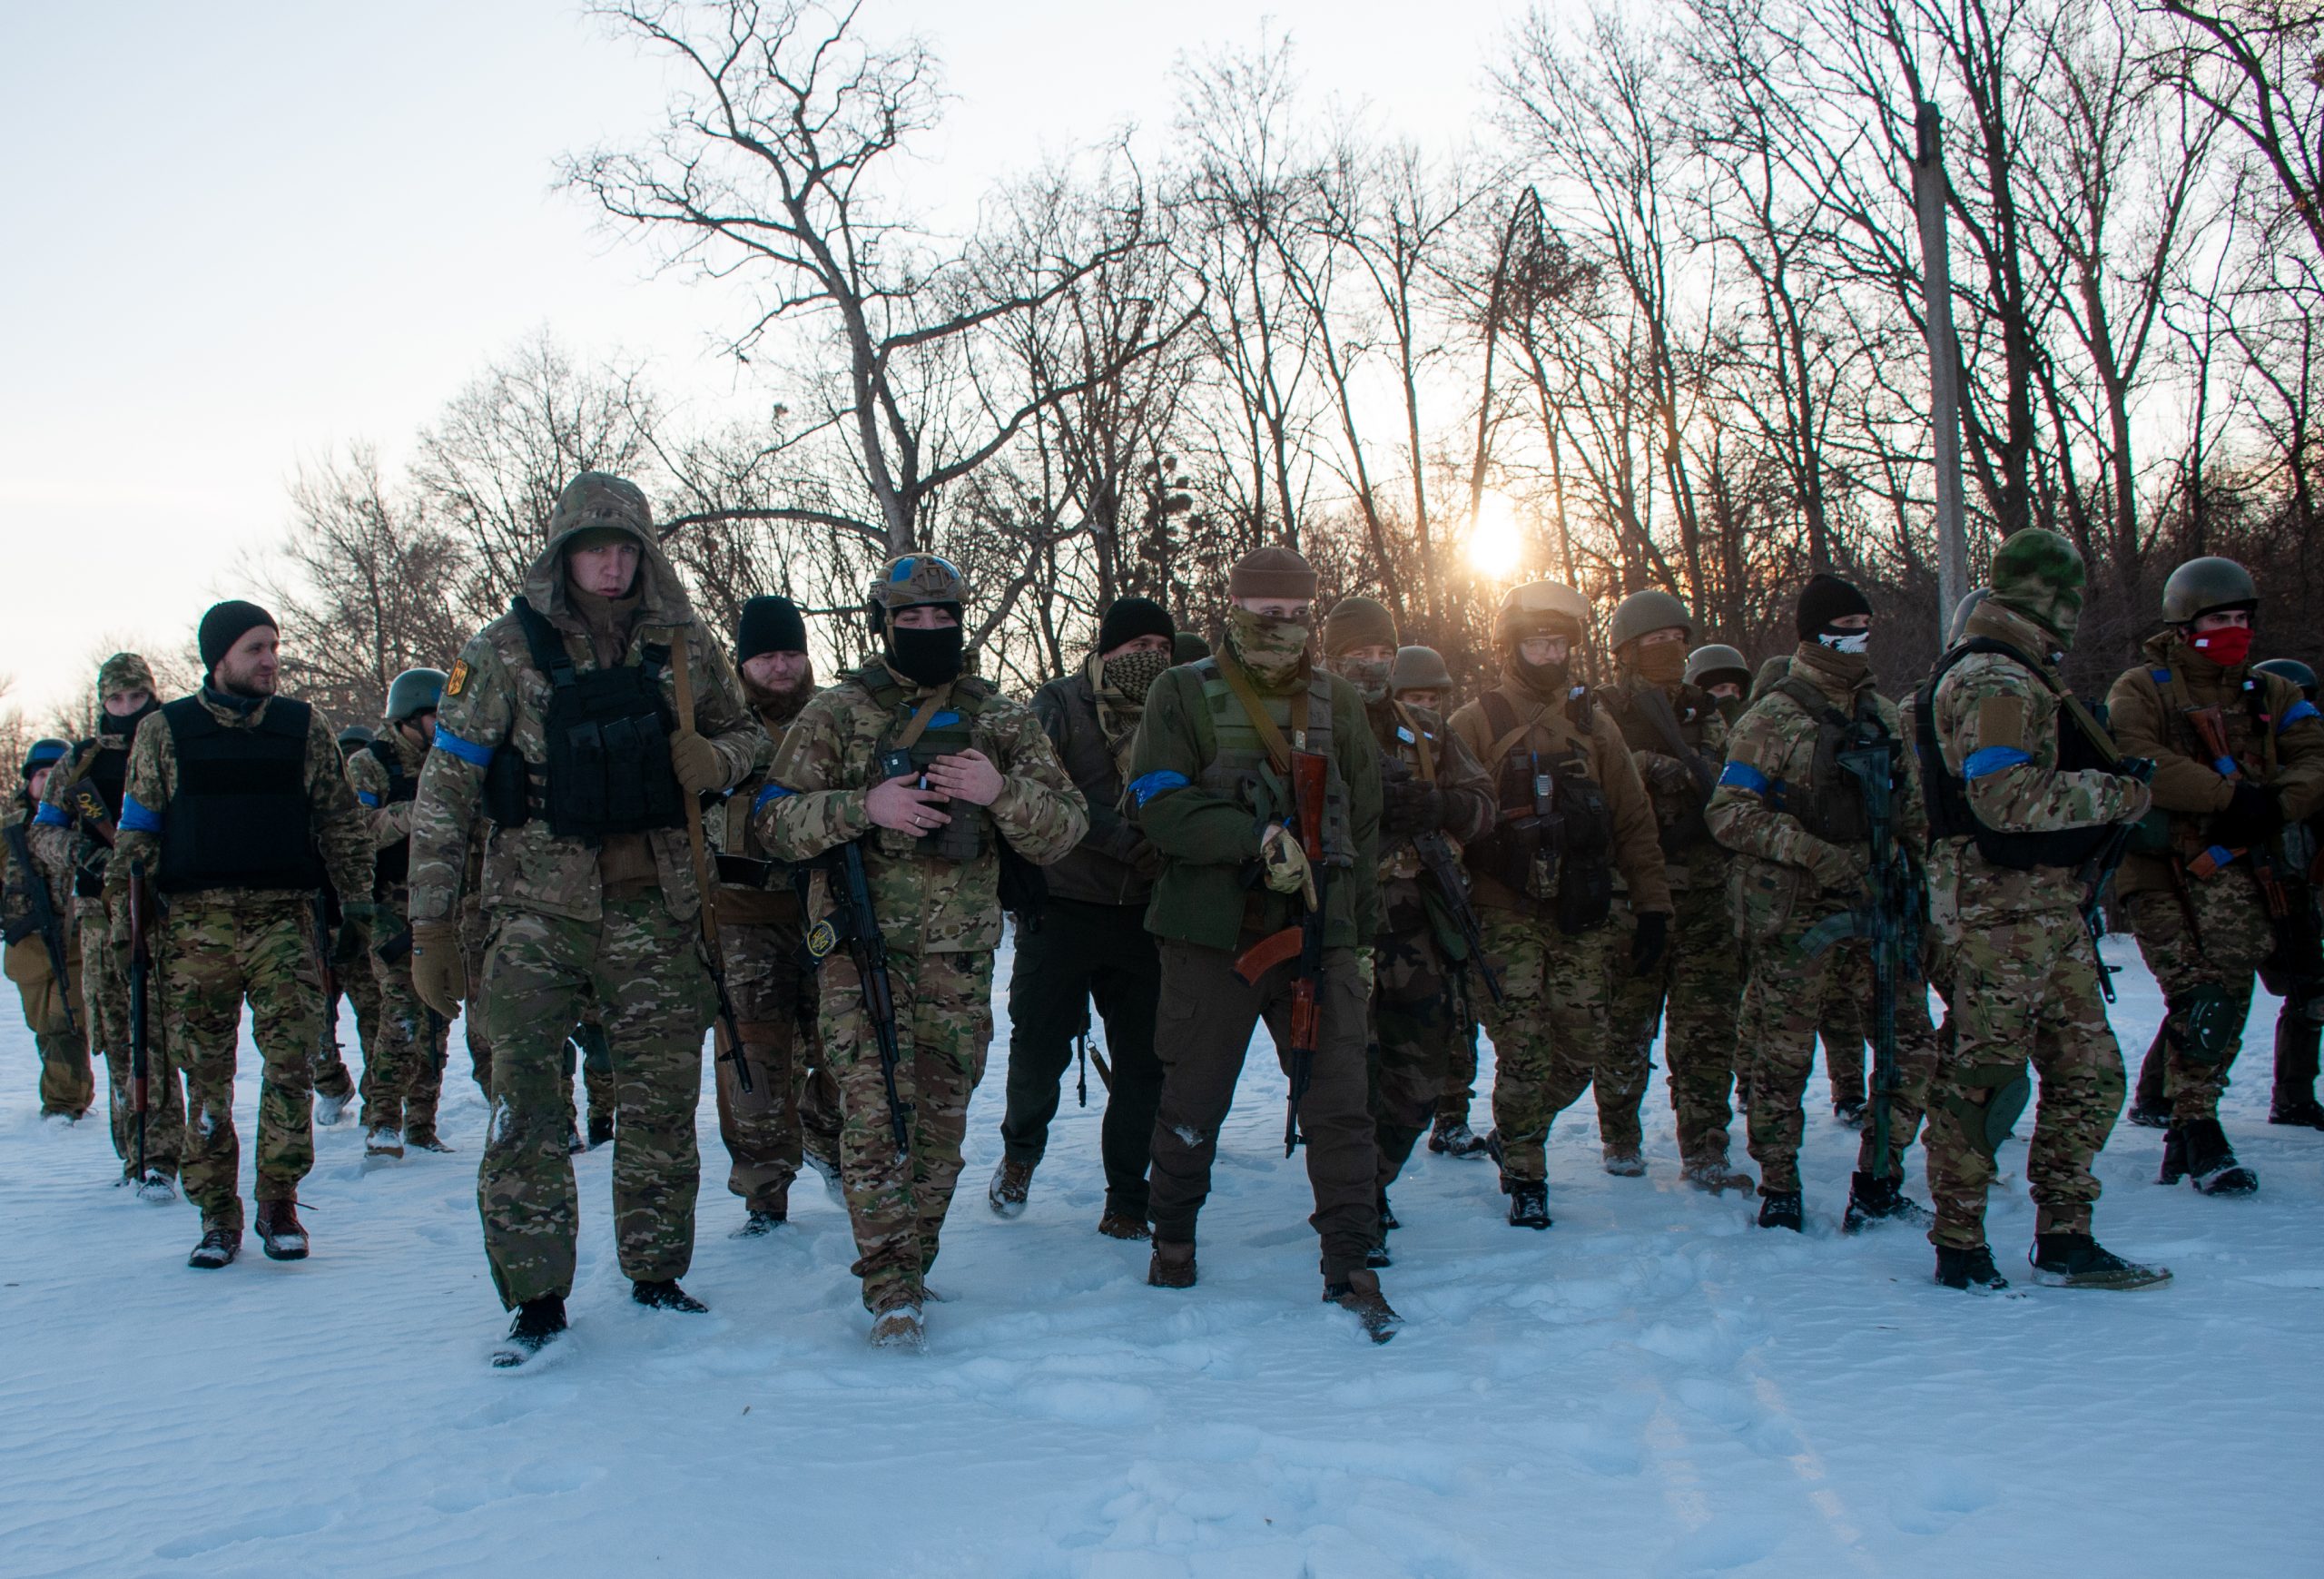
2253,816
1412,806
1649,941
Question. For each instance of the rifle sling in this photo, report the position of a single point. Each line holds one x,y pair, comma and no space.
1278,748
1419,741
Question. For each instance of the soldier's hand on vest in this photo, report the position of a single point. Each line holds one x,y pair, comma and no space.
901,803
1285,864
966,775
438,974
697,763
1649,941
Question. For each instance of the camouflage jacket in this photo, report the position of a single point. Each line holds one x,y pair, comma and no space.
390,819
1998,727
1690,857
340,836
2272,731
496,696
16,911
1767,797
754,888
927,904
65,839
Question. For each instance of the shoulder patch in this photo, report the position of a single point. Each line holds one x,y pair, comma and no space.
457,681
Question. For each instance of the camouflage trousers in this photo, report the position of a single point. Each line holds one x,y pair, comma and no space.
403,1060
1776,1030
1840,1028
217,949
1550,1033
2025,987
1457,1087
67,1084
642,968
1412,1026
2216,959
774,996
585,1053
104,997
896,1200
351,973
1695,989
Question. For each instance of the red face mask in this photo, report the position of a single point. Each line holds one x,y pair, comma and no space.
2227,646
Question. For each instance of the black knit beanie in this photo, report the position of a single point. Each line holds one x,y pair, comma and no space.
769,625
1131,617
226,624
1824,599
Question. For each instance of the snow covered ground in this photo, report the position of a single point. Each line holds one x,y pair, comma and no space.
1652,1386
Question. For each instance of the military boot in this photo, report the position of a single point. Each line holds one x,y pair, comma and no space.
1970,1270
380,1140
1012,1182
2199,1152
2079,1261
1173,1266
1453,1137
1780,1209
423,1138
1529,1202
538,1323
2303,1112
1116,1224
663,1294
280,1233
601,1128
897,1324
329,1109
1872,1200
766,1214
574,1144
1715,1175
1625,1161
156,1188
219,1246
1360,1296
1849,1112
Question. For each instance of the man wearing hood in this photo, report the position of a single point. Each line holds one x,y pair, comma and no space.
564,722
1091,944
1573,810
2196,890
760,932
941,781
73,835
2025,789
1795,820
1211,774
236,811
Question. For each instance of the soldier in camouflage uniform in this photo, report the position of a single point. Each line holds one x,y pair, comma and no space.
73,838
67,1086
565,723
760,934
2023,797
237,810
1431,788
1720,673
348,944
1212,774
403,1063
2202,889
1796,823
2295,973
1573,812
981,786
1678,738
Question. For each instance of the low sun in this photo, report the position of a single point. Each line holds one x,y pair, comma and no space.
1495,544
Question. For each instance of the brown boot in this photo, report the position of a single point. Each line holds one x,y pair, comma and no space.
1360,1296
1712,1174
1173,1266
280,1233
1122,1225
1623,1161
1011,1183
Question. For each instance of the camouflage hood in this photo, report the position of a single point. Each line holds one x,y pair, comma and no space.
2002,623
596,501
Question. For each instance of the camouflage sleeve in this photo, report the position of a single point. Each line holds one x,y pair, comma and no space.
473,720
2181,783
1638,836
1743,813
1994,723
1181,819
2299,755
1468,790
1361,765
152,777
389,821
342,833
722,715
55,828
808,806
1038,810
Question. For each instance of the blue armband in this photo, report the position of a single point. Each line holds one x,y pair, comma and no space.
367,798
1144,789
1744,776
2300,712
136,819
50,817
467,751
769,795
1988,759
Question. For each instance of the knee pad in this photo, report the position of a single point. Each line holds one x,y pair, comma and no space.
1986,1124
2204,1025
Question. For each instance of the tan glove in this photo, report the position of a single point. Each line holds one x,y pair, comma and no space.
438,974
2141,801
697,763
1834,865
1285,864
1367,972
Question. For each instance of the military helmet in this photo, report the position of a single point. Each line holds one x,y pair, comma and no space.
1958,625
2201,587
355,737
1186,647
912,580
2291,669
1643,612
1705,665
1418,668
1541,608
45,751
414,692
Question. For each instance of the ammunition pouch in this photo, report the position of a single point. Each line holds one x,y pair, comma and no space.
509,798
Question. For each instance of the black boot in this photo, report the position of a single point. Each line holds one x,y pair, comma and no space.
1528,1204
1781,1208
2150,1099
601,1128
539,1322
2079,1261
1968,1269
663,1294
2208,1160
2304,1112
1387,1214
1377,1256
1360,1296
1872,1200
280,1233
219,1246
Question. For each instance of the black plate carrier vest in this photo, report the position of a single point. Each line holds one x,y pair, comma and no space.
392,864
239,817
608,738
1950,815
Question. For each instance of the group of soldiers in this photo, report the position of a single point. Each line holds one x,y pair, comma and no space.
605,831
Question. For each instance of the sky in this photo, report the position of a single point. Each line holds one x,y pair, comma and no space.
239,236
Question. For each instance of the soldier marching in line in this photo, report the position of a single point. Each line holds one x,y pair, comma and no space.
346,944
43,947
2295,971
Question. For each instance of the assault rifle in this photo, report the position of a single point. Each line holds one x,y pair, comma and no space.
854,925
141,981
44,918
1310,776
1443,869
2099,870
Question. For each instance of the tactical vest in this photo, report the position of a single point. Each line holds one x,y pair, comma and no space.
1950,814
608,738
1830,806
239,817
104,773
1240,769
1687,829
1577,831
1415,744
392,863
949,731
2179,702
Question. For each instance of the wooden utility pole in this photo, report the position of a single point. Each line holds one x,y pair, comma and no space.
1944,366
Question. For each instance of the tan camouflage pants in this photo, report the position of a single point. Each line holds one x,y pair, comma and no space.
1696,991
1549,1034
897,1200
403,1061
1411,1027
642,970
104,997
2230,936
352,975
67,1084
2026,988
774,1001
217,949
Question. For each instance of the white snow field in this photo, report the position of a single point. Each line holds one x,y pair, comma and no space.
1652,1386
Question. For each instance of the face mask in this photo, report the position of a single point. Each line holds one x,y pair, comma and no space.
1550,681
1853,643
932,657
1369,677
1134,674
2227,646
1662,664
1269,648
109,725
